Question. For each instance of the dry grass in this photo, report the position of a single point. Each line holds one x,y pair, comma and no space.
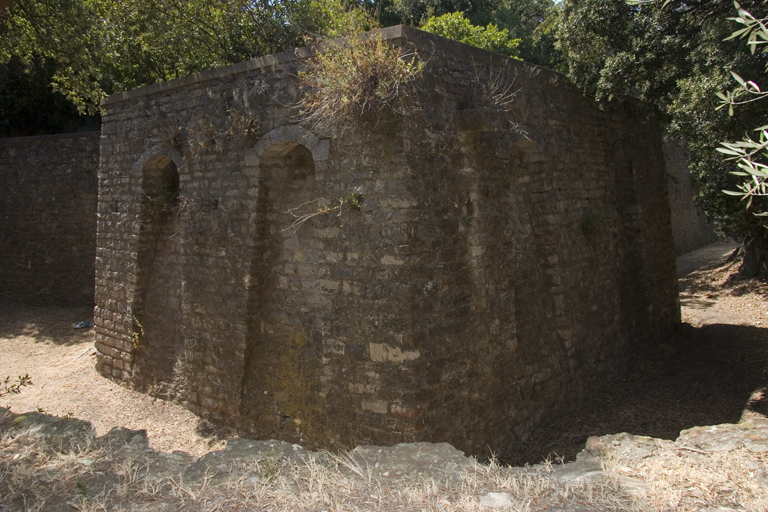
36,476
687,479
358,81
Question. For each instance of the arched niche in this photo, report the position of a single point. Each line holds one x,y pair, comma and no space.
283,354
156,307
285,138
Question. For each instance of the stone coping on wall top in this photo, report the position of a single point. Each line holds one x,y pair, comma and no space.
56,136
267,61
394,34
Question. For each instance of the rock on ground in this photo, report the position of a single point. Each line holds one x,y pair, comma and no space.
623,459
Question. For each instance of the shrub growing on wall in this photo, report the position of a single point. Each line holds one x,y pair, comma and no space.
360,80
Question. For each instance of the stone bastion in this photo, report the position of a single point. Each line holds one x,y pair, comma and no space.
463,275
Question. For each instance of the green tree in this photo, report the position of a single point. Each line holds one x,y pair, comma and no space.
416,12
455,26
28,105
674,59
751,153
531,21
527,20
104,46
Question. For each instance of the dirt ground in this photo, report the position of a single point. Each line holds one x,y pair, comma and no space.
713,370
43,343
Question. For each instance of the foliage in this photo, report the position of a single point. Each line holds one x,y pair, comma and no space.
674,60
415,12
28,106
455,26
531,21
9,387
358,80
750,154
527,20
104,46
92,48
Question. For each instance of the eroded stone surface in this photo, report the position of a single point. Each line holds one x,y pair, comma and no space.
415,461
503,262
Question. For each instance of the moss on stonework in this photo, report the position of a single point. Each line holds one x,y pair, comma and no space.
297,381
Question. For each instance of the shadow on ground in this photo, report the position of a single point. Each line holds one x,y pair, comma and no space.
45,324
701,376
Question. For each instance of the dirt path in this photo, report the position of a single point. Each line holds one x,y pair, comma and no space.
43,343
714,253
714,370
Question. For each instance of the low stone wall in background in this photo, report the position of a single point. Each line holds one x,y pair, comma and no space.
690,228
48,218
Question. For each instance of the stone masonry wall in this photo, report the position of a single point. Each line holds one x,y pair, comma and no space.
690,228
503,261
48,218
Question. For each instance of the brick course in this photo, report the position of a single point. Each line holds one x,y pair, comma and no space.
502,263
47,218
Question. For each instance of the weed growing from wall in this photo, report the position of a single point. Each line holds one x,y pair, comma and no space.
242,118
358,81
204,136
240,127
163,130
301,215
495,89
137,334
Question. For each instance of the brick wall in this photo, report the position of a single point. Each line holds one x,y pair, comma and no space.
689,225
502,262
48,218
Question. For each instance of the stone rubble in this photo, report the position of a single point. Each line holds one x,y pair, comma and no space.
407,462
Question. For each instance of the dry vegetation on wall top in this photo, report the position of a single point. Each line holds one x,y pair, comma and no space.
360,80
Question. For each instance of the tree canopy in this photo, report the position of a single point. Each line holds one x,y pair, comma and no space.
526,20
455,26
101,46
674,58
87,49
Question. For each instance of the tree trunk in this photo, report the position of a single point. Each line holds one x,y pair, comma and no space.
755,251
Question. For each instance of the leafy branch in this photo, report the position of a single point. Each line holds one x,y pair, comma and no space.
14,388
755,30
745,88
756,173
750,153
